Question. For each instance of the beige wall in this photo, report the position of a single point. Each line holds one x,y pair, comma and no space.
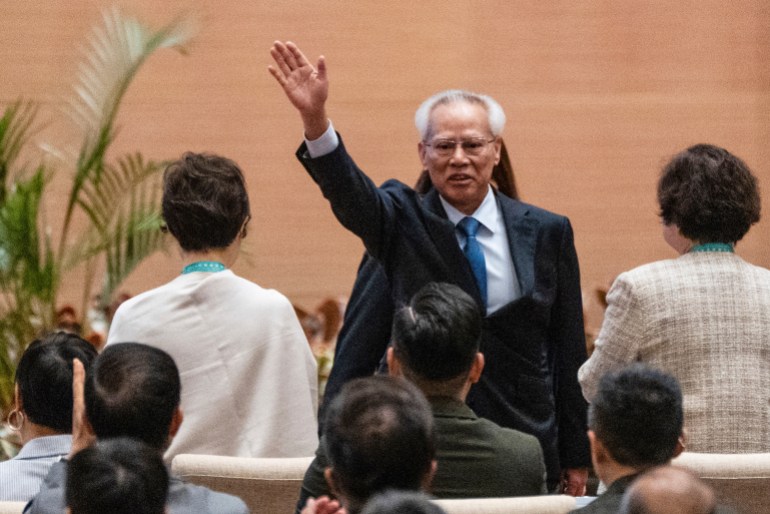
598,95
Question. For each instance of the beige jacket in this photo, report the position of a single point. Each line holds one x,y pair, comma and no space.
705,318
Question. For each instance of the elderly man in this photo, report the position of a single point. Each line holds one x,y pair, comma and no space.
517,261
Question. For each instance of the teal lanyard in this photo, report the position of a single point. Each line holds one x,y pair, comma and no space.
713,247
208,266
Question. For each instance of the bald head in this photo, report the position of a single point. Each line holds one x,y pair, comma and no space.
668,489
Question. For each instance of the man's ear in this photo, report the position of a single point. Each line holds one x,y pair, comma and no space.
176,422
329,476
394,365
598,451
427,480
476,368
681,444
422,151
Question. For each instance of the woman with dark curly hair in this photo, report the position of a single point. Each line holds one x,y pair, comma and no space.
704,317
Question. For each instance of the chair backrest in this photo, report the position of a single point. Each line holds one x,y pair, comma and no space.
740,481
12,507
268,486
552,504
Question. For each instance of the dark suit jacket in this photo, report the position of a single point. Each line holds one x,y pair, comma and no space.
533,346
476,458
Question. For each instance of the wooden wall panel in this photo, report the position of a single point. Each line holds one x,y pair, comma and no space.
598,95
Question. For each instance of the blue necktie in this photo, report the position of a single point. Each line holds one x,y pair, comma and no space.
474,254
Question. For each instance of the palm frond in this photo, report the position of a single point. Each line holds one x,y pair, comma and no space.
124,209
15,130
116,51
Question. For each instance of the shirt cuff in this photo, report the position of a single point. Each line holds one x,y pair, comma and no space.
325,144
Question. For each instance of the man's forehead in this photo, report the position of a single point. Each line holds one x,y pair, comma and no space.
458,115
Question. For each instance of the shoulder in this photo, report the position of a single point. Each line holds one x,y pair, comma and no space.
183,497
527,209
513,439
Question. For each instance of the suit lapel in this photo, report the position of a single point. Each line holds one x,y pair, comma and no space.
522,239
441,232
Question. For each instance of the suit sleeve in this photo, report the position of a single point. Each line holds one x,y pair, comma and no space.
356,201
365,332
568,345
618,342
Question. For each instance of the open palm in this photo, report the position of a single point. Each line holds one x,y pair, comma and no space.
306,87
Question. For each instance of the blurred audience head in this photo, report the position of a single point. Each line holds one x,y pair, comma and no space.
668,489
379,435
636,419
205,203
119,476
401,502
133,390
43,393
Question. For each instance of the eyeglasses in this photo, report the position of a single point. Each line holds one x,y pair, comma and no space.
446,147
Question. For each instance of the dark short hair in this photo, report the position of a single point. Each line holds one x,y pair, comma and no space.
120,476
205,202
132,390
437,335
401,502
710,194
637,415
44,377
379,435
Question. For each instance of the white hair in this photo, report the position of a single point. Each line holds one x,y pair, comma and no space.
494,111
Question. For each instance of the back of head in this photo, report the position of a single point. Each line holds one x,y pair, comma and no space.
668,489
495,113
379,435
133,390
637,415
710,194
205,203
436,337
44,378
401,502
119,476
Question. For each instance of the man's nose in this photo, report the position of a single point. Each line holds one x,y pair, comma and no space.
458,154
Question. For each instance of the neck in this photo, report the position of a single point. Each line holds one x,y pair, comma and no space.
609,472
226,256
32,431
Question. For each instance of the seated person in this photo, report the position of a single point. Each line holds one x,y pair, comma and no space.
232,339
401,502
669,489
379,436
634,424
119,476
42,411
702,317
132,390
436,346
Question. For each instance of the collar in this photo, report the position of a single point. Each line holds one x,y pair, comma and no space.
46,446
488,213
447,407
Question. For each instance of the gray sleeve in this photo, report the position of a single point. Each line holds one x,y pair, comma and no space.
50,499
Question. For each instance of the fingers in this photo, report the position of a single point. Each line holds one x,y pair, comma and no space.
279,54
322,68
78,387
297,58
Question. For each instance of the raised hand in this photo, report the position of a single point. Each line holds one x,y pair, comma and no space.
305,86
82,433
